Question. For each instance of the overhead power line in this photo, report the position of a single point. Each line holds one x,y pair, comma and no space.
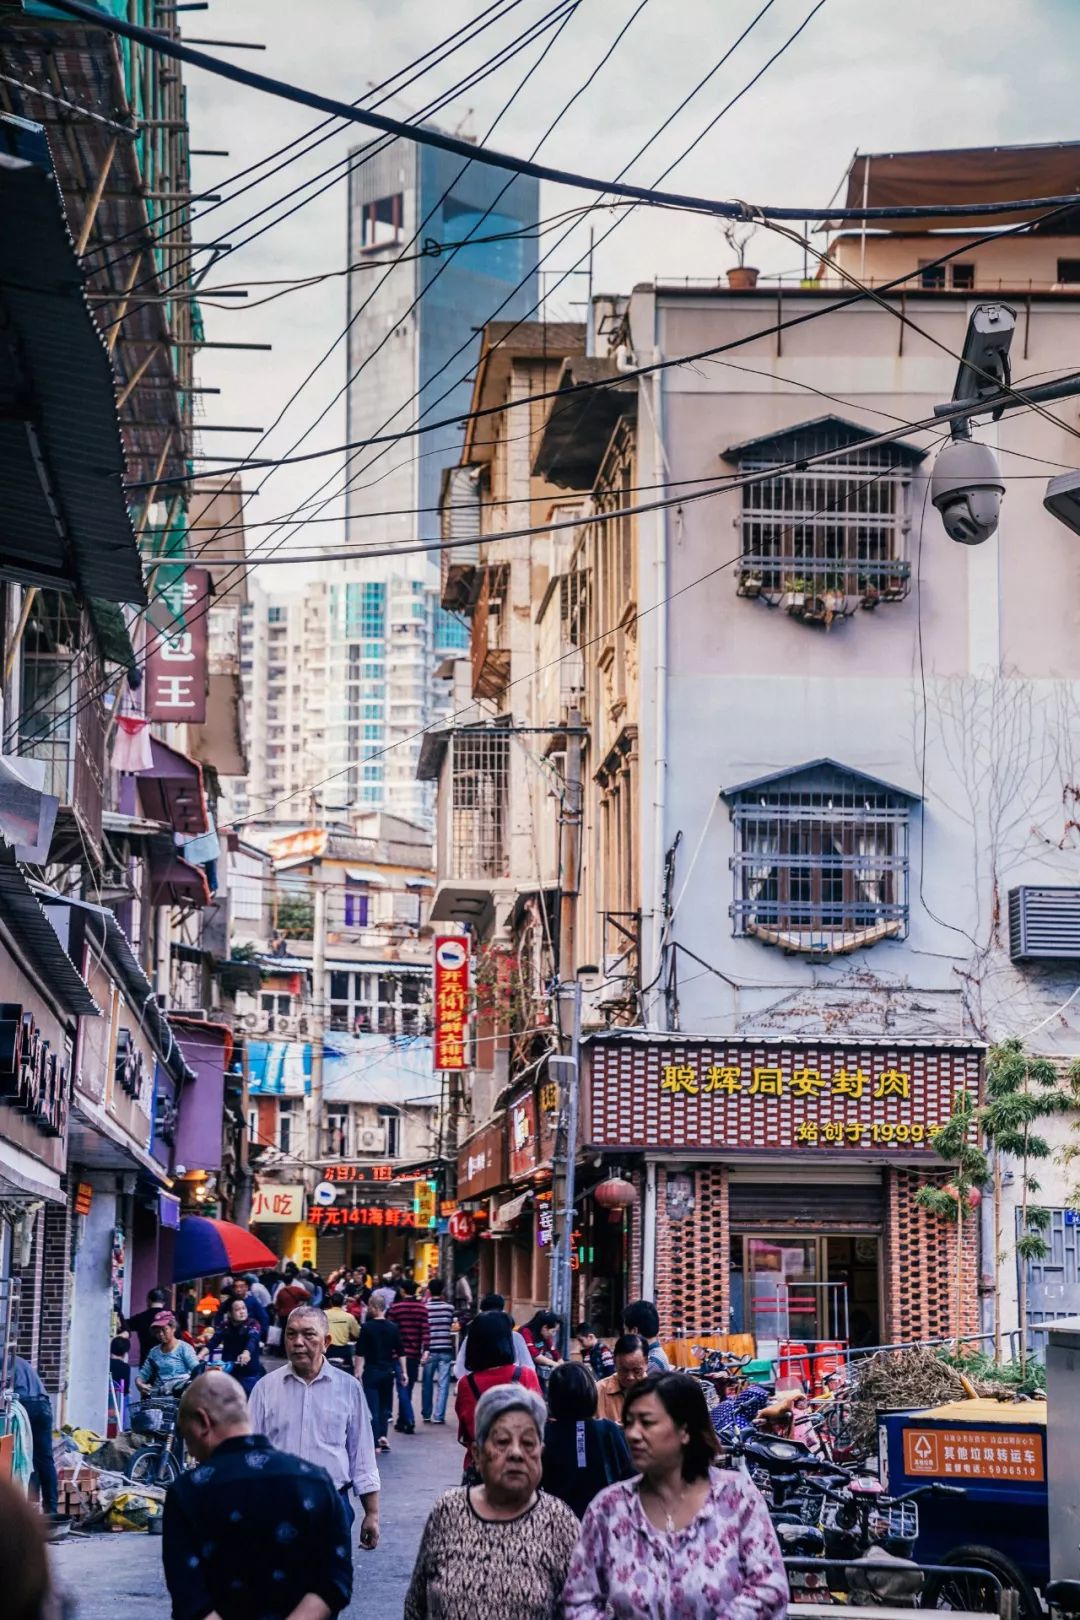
576,389
253,560
538,171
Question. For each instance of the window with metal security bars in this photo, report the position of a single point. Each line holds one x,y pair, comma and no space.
823,541
480,763
820,869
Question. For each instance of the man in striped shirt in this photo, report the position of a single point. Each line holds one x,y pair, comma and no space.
440,1352
411,1320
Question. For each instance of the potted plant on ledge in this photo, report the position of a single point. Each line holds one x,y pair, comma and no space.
742,276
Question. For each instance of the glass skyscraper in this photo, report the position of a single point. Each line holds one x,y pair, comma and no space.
387,631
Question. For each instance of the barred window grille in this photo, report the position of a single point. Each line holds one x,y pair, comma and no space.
479,844
822,539
822,869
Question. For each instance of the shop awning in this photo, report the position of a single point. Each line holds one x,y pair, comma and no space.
173,880
360,874
506,1214
64,521
172,790
38,941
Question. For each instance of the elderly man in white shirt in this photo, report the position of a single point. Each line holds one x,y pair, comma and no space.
320,1414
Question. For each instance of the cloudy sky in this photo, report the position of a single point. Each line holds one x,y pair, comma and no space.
863,75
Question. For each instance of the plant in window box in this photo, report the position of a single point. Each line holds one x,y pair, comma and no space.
751,581
896,584
871,595
795,593
835,597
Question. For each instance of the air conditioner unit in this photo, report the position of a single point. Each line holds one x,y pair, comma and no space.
283,1026
251,1021
1044,924
371,1139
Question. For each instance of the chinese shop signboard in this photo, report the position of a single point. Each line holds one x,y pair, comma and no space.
176,664
807,1098
521,1124
974,1454
481,1162
362,1215
425,1203
284,1204
451,992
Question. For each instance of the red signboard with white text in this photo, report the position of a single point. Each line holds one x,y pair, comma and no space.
176,665
451,991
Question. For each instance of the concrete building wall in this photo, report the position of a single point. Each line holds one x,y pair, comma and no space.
964,694
91,1310
976,651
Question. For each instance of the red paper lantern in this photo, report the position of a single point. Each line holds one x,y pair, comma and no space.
615,1193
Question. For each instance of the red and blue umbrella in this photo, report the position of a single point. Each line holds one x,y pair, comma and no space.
206,1248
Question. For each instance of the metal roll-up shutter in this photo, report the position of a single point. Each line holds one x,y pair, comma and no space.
332,1251
805,1206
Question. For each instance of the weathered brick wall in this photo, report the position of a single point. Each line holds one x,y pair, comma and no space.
30,1296
692,1257
634,1237
919,1258
55,1299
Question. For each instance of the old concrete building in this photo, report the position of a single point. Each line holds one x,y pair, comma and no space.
829,759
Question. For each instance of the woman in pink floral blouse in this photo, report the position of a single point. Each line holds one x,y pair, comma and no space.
686,1540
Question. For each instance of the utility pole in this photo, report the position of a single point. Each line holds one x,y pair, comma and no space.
318,1011
570,865
565,1070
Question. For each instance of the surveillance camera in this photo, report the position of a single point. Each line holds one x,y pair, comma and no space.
966,488
1062,499
984,366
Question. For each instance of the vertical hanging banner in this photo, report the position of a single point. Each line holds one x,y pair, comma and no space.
176,668
451,990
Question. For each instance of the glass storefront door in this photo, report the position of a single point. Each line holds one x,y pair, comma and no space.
808,1287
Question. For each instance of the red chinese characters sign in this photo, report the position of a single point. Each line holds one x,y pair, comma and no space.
746,1096
362,1215
176,665
451,991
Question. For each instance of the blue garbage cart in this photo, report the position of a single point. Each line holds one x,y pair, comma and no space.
997,1452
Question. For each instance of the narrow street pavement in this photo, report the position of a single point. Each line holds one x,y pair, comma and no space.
118,1577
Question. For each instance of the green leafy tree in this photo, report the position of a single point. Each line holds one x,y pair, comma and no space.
296,916
1021,1092
955,1143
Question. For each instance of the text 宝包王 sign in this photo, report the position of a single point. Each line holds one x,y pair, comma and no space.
805,1097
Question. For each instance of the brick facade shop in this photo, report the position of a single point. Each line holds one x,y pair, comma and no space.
777,1183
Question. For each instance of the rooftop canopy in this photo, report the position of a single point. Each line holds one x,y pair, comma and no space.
966,174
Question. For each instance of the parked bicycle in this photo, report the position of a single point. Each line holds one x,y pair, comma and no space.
160,1460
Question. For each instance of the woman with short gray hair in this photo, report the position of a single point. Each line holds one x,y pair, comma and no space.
502,1548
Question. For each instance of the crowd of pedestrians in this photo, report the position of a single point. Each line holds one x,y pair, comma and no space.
590,1488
